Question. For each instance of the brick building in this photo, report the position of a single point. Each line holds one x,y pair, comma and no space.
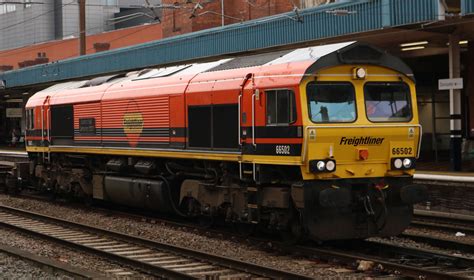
186,19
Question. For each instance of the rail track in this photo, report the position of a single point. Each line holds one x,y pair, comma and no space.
395,260
151,257
448,223
387,258
444,221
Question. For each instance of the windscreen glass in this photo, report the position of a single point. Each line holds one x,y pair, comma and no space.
331,102
387,102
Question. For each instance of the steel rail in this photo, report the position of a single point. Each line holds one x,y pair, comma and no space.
444,215
437,225
218,261
442,242
457,260
50,265
443,221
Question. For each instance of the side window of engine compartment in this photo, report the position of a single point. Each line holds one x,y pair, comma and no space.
281,107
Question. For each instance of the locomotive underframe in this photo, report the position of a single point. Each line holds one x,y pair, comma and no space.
280,201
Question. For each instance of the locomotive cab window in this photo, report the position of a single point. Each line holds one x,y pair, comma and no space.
387,102
331,102
30,119
281,107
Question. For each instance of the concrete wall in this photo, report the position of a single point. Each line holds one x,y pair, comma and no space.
27,26
61,49
54,19
96,17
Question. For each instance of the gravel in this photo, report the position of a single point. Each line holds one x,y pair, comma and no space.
407,242
186,237
448,235
15,268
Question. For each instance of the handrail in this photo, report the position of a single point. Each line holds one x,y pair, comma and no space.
48,121
42,124
253,121
305,138
239,108
242,86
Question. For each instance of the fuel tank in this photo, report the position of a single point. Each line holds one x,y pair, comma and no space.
138,192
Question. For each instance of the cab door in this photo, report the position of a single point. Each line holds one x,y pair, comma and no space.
246,102
45,122
271,128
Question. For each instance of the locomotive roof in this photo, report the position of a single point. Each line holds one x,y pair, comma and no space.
302,61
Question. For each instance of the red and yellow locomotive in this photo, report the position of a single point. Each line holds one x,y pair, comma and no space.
319,141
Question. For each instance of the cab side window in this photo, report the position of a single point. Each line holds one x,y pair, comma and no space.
30,119
281,107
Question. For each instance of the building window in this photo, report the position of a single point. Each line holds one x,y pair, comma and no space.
7,8
111,2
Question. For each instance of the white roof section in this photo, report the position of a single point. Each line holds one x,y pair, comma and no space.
64,86
310,53
302,54
203,67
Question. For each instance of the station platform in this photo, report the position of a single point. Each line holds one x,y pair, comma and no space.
10,155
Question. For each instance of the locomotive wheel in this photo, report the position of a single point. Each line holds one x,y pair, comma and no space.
206,221
190,207
293,234
245,229
11,185
89,201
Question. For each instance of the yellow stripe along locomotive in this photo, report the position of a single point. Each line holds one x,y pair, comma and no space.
320,141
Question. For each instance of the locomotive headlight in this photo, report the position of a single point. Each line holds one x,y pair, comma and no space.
320,165
398,163
407,163
330,165
359,73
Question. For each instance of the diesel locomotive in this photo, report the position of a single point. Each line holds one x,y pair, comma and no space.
319,141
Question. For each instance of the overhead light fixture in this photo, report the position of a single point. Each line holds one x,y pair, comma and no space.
413,44
413,48
463,42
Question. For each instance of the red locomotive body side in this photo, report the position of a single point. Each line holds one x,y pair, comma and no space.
153,113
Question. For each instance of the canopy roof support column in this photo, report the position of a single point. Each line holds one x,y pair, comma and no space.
455,104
